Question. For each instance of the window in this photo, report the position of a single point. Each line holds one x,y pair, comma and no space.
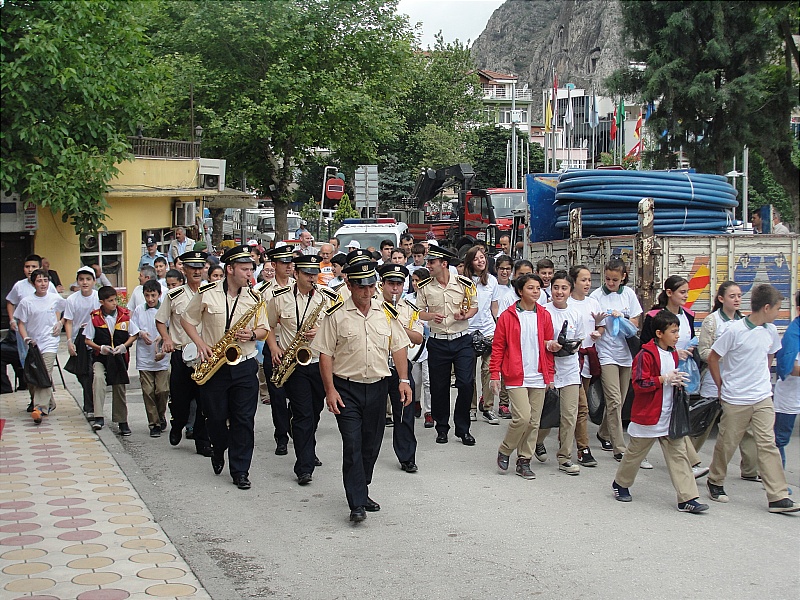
163,238
505,115
105,249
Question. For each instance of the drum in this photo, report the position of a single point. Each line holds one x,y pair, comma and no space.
190,355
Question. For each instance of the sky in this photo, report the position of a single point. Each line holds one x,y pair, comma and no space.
457,19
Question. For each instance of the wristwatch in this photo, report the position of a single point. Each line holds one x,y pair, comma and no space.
408,381
253,336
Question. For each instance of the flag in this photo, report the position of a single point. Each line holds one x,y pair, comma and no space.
621,113
637,131
651,108
636,151
548,116
614,125
569,118
594,116
555,98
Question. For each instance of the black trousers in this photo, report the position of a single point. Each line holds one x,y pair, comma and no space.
403,440
86,380
442,356
361,423
281,412
10,356
182,390
230,400
306,399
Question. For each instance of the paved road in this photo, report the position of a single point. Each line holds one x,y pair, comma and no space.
457,529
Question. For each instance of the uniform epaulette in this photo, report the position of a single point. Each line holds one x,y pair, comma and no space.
333,308
411,304
390,310
338,286
465,281
281,290
176,292
261,286
255,295
326,291
423,282
208,286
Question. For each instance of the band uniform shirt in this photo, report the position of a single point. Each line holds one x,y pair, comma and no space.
406,310
210,308
286,306
434,297
172,308
360,345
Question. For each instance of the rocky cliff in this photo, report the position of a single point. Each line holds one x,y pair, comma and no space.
579,38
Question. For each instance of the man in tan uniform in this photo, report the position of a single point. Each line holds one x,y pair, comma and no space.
354,342
230,397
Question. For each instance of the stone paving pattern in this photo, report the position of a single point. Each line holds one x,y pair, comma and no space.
71,524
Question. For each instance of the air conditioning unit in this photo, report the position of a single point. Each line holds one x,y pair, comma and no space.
211,174
185,214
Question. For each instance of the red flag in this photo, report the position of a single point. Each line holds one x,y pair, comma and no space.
614,125
636,151
637,132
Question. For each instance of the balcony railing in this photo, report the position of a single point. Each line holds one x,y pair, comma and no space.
157,148
502,94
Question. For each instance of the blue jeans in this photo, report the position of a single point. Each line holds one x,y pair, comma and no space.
784,425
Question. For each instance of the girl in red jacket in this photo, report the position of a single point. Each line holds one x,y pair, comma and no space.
654,376
520,352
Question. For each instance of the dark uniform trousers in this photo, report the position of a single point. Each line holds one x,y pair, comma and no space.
442,356
182,390
230,400
281,414
361,423
403,439
306,399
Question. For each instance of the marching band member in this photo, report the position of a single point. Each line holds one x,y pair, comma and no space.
354,342
229,310
181,386
294,312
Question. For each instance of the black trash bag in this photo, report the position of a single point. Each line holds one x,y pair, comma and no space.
568,347
480,343
679,421
702,414
116,369
81,363
551,411
35,370
596,402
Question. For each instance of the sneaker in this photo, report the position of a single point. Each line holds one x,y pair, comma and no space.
37,416
98,423
473,415
605,444
618,457
692,506
30,407
524,468
540,452
124,430
786,505
490,417
716,492
620,493
155,431
163,423
646,464
699,471
505,412
585,458
569,468
428,420
754,478
89,416
502,461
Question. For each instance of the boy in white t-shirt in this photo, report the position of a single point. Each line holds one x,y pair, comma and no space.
739,363
76,316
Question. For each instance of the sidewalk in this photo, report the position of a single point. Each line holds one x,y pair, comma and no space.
71,524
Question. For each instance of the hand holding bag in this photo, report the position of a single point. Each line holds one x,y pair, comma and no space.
679,421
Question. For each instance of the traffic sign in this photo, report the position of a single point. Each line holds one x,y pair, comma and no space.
334,188
366,186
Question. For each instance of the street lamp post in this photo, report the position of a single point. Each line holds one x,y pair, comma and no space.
322,200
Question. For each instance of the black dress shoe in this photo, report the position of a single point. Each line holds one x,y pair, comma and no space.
371,505
175,436
30,407
409,466
441,438
281,450
466,438
218,463
304,478
204,451
358,514
242,482
317,462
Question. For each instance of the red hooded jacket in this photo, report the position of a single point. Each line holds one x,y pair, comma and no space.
647,389
507,350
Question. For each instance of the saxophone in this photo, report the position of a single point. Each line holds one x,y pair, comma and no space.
298,352
226,350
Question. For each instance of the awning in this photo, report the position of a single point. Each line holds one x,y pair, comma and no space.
213,198
230,199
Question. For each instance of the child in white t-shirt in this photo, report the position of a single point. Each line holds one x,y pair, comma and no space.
76,316
739,362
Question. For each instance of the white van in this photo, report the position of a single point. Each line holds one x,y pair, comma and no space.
370,232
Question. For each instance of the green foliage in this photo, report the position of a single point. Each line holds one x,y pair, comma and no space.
764,189
310,210
309,180
76,79
346,210
439,146
395,182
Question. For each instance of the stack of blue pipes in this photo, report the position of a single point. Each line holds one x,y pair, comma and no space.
686,203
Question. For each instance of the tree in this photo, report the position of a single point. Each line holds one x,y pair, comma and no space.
282,78
489,158
345,211
76,79
722,75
